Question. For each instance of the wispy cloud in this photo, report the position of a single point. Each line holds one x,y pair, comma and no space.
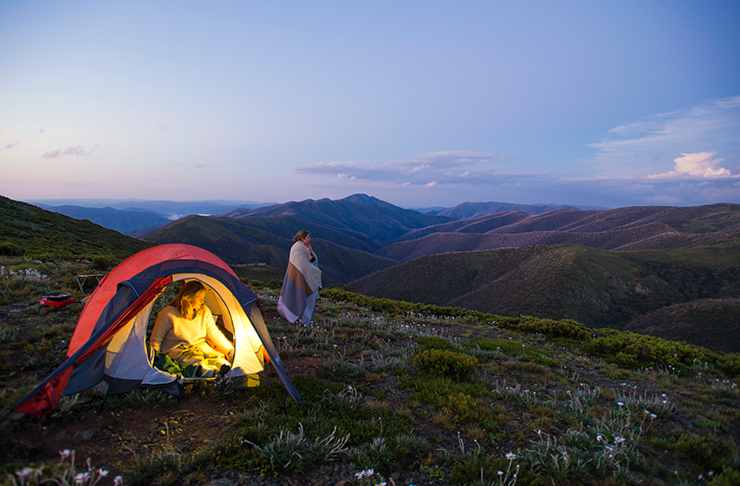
52,154
649,146
17,140
686,157
76,151
426,170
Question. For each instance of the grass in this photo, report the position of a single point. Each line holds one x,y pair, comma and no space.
421,396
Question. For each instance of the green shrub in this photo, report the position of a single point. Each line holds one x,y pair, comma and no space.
706,451
431,342
730,364
505,346
104,262
395,307
728,477
439,362
10,249
565,328
631,350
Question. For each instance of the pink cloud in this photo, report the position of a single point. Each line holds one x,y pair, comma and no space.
700,164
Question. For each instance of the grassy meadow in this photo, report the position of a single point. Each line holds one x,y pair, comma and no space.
417,394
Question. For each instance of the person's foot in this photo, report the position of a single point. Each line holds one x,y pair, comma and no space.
224,369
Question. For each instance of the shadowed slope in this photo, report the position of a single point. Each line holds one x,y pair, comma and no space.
380,221
268,240
710,323
593,286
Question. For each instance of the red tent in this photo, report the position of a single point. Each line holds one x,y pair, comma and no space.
109,345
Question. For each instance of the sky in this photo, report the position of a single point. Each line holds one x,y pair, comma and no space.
421,104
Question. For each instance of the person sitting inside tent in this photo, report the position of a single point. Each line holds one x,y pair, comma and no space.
186,332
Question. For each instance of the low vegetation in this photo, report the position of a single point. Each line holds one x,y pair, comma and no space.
396,392
28,231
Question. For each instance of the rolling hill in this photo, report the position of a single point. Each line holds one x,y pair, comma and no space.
27,230
710,323
122,220
685,287
633,228
268,240
596,287
377,221
468,210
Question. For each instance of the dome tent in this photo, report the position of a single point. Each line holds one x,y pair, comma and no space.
109,344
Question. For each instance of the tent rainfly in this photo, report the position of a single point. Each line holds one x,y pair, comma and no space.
109,345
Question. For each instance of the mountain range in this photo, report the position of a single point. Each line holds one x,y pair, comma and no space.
138,217
130,216
636,268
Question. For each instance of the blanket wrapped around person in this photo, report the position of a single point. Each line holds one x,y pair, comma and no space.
301,283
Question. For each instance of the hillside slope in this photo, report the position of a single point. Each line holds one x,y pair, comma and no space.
122,220
28,230
710,323
633,228
268,240
468,210
379,221
596,287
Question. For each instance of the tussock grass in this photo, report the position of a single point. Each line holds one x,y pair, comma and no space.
442,397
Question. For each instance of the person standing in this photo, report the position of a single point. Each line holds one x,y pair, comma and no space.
301,283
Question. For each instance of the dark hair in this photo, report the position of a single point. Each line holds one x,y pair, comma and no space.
300,235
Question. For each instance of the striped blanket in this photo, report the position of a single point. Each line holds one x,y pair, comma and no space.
302,280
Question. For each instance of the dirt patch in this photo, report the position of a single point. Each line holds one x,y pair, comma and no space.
114,440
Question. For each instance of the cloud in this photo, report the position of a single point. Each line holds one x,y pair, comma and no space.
647,147
702,165
41,131
52,154
438,167
684,157
76,151
12,144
